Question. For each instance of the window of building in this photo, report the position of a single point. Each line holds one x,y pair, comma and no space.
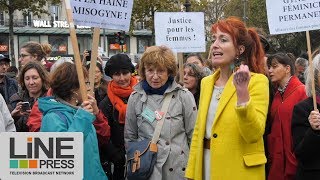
4,44
116,48
85,43
55,13
2,14
143,43
27,19
24,39
59,45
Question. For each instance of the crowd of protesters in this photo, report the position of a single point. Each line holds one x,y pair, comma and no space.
239,114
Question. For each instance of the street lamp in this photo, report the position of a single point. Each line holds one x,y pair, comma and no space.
187,4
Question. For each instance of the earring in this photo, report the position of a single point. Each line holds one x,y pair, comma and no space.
234,65
76,99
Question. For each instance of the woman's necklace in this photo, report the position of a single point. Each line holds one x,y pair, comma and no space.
219,91
282,90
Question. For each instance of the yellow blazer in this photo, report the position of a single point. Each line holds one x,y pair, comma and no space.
236,145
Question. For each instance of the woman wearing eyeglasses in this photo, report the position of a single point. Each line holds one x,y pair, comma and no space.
34,51
157,70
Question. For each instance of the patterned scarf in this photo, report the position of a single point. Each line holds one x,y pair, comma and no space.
115,93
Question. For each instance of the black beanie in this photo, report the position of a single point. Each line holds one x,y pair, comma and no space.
118,62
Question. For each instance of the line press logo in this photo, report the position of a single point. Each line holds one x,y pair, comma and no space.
39,155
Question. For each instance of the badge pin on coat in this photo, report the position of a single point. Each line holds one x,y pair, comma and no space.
159,115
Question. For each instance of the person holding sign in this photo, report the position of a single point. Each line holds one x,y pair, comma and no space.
306,128
65,111
227,142
146,109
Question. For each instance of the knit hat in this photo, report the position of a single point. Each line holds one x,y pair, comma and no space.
118,62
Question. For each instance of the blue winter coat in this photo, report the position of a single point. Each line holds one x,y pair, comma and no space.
78,120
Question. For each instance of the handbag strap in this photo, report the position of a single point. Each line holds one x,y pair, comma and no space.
164,109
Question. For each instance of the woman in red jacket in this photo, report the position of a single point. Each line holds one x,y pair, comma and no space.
281,161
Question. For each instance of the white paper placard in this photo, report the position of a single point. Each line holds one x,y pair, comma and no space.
287,16
181,31
102,13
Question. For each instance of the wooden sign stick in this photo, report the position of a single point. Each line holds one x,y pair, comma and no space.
77,60
311,71
94,55
180,61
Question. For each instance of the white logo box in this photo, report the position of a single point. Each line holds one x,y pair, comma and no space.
41,155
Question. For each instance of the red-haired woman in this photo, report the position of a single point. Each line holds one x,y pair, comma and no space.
227,140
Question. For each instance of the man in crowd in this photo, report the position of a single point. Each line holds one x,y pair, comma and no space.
8,86
301,65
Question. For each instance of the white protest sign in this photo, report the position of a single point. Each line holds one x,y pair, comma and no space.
109,14
286,16
181,31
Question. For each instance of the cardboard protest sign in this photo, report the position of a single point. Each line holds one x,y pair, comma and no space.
181,31
286,16
109,14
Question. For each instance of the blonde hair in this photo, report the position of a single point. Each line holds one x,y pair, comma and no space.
158,56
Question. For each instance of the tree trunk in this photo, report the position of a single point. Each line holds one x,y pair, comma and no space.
11,34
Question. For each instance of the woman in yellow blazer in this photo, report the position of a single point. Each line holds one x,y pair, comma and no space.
227,140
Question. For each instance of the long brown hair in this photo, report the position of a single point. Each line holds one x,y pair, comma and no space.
43,73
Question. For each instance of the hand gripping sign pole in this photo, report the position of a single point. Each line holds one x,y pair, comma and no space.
74,41
94,55
311,71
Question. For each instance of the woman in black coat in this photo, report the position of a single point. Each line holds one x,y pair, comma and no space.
306,129
114,106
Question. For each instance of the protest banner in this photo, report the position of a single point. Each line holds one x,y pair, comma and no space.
109,14
101,14
180,31
287,16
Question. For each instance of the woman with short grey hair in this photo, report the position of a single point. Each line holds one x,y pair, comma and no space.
306,128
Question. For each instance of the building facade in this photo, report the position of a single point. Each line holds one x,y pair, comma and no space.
53,29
